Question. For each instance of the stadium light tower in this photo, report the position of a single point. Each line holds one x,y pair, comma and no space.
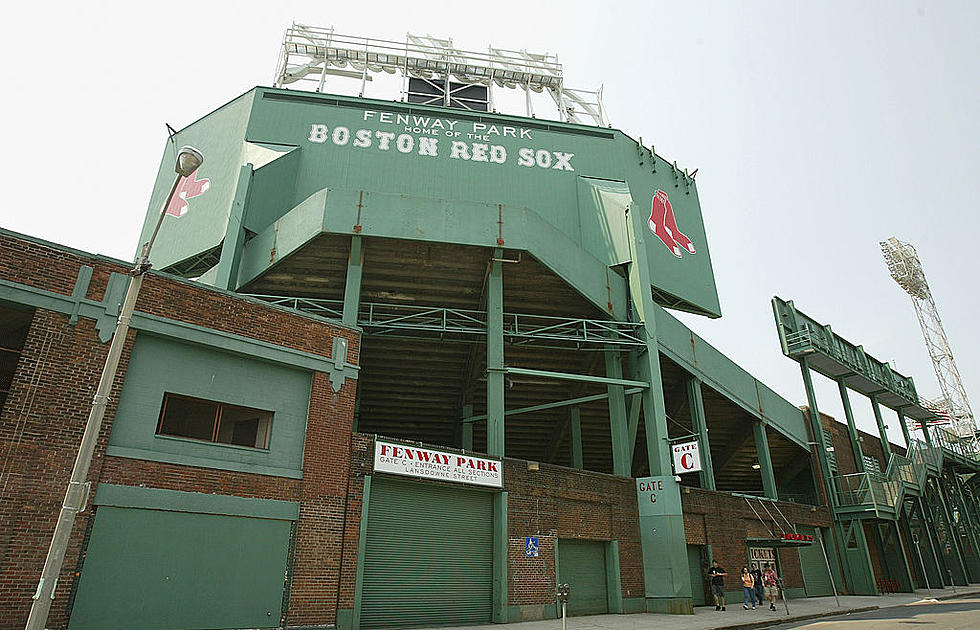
953,405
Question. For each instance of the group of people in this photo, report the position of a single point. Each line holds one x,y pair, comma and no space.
755,583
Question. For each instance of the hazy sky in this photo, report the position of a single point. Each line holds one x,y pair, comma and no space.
819,128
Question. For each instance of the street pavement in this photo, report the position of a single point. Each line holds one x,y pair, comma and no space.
951,614
705,617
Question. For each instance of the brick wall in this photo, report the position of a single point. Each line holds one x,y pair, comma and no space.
725,522
550,503
44,415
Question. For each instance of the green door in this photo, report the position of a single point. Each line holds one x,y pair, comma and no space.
428,560
582,565
696,568
814,566
156,569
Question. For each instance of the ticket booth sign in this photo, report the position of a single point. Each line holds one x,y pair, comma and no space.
762,555
687,457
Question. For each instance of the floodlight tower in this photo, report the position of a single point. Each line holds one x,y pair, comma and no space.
953,405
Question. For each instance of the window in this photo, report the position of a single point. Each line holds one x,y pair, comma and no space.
210,421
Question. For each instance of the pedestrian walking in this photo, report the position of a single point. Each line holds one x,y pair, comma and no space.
757,576
717,574
748,589
771,583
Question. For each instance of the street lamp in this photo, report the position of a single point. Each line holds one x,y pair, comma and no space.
76,497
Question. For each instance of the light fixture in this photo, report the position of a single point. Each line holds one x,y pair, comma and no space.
532,466
188,161
756,466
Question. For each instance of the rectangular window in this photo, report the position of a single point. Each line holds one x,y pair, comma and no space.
210,421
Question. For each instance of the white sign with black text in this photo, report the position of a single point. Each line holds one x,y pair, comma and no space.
426,463
687,457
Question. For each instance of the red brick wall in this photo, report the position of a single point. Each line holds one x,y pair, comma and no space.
42,421
552,502
725,522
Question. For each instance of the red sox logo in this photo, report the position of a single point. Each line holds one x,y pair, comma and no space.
188,188
664,225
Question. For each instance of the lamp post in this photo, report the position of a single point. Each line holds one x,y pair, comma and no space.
76,497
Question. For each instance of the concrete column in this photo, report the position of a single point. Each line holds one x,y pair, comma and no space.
765,461
885,445
622,462
500,539
352,288
851,427
495,356
700,424
575,431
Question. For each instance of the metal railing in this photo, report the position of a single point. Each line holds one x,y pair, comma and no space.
435,321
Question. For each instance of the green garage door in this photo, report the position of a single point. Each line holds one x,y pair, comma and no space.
428,558
815,576
156,569
582,565
696,569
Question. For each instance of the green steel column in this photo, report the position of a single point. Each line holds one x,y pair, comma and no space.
765,461
467,428
970,528
575,431
851,428
622,463
951,529
925,433
500,537
234,241
361,550
905,429
930,530
700,425
352,288
614,582
818,437
495,356
886,447
648,362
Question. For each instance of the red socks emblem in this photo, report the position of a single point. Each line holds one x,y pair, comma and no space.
664,225
188,188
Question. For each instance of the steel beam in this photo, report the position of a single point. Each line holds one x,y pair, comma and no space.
554,405
495,357
818,437
352,288
467,428
566,376
575,427
618,424
700,425
765,461
851,427
885,445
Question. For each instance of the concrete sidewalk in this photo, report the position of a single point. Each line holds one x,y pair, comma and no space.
706,617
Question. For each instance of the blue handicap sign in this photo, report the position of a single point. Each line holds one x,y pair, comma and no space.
531,547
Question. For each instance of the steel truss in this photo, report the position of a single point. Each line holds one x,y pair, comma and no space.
310,54
953,405
428,322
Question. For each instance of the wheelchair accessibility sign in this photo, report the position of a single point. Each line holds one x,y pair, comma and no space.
531,547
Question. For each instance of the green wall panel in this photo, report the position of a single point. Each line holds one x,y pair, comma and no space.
155,569
219,136
816,579
582,565
159,365
428,559
529,164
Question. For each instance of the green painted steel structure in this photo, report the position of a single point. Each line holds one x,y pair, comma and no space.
913,494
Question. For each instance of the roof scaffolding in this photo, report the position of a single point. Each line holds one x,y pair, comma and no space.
311,54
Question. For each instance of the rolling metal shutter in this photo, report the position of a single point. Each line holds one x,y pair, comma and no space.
428,560
582,565
815,576
696,569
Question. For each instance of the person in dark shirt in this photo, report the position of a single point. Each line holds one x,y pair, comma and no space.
759,592
717,574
